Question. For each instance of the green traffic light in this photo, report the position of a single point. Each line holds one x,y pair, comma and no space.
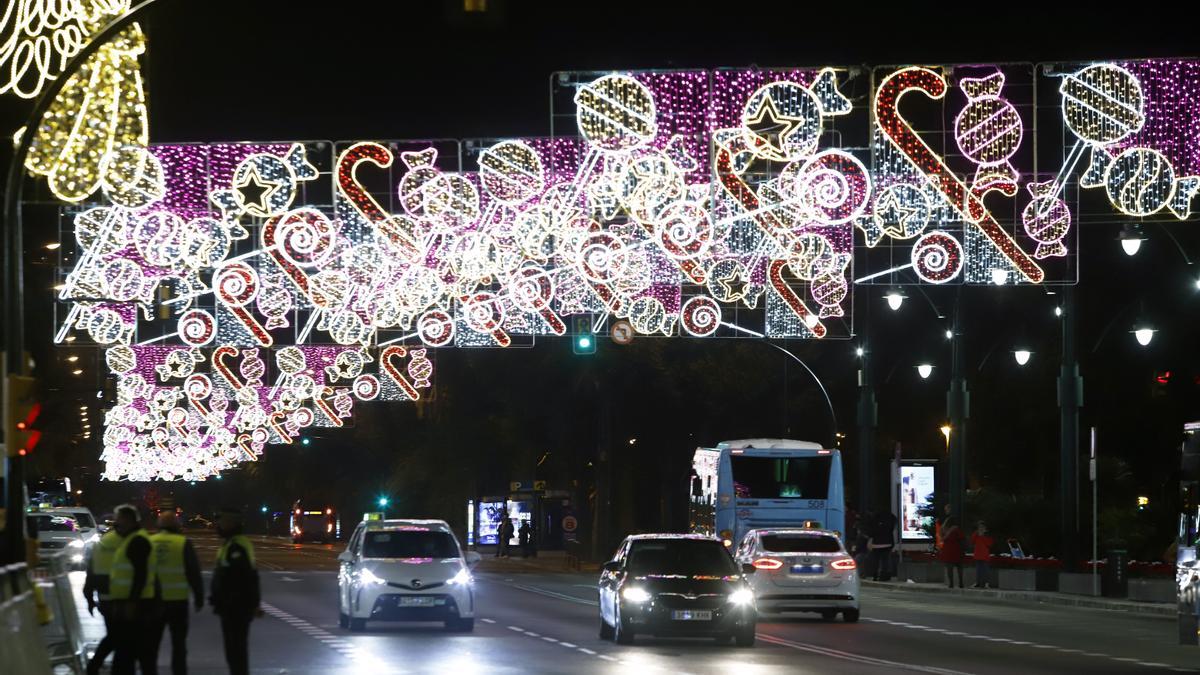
305,441
383,501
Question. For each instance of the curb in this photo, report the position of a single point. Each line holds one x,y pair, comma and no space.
1152,609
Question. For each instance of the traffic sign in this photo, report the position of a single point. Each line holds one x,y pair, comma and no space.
515,485
569,524
622,332
539,486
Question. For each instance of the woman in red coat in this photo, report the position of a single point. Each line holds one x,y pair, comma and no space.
953,543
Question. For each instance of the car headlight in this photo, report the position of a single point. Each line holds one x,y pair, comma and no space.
463,578
93,539
76,543
635,594
742,596
368,577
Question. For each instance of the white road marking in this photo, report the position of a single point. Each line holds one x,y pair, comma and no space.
517,628
858,658
549,639
568,645
488,620
587,651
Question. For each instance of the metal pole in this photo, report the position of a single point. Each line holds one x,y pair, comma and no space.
828,402
958,403
867,417
1070,398
1095,533
13,545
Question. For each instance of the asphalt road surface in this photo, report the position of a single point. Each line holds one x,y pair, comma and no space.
537,622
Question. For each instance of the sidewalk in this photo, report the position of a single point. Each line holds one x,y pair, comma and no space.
546,561
1165,610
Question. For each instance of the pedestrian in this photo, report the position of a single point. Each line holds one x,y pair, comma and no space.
235,591
880,546
981,543
938,526
131,586
505,534
178,573
524,538
96,593
952,550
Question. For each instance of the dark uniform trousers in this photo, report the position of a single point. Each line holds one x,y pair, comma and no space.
235,630
174,617
131,631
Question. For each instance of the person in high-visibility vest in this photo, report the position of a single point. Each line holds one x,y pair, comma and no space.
178,574
95,592
131,587
235,590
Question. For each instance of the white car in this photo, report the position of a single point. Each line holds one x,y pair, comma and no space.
406,570
83,517
801,570
58,533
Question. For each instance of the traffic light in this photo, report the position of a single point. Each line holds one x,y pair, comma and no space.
20,432
583,340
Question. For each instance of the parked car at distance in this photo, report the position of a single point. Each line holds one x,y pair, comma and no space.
406,570
682,585
801,570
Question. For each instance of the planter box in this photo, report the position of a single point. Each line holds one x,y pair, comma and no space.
1152,590
1028,580
1077,583
1016,580
922,572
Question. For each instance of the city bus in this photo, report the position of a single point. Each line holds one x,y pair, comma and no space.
314,524
765,482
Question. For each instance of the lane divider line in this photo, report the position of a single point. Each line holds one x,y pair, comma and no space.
857,658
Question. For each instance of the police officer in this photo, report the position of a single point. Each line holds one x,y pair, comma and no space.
235,592
178,573
95,592
131,587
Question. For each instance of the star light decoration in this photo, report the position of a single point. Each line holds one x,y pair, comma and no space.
239,307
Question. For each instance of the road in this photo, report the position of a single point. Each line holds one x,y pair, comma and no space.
537,622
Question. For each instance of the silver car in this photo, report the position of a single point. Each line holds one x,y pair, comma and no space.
801,570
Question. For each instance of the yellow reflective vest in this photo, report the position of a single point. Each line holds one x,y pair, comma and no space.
102,561
168,556
120,582
240,540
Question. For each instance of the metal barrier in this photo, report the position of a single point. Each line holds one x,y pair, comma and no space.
21,646
63,636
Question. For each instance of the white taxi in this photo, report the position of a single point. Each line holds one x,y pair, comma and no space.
801,570
406,570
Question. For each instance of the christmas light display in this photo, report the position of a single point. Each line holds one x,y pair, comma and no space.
240,308
39,37
100,111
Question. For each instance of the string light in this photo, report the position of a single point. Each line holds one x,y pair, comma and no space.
39,37
682,202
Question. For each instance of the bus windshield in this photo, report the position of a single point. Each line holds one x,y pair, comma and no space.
781,477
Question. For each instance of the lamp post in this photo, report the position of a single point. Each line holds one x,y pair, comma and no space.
1070,399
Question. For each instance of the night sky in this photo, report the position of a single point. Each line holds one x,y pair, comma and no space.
221,70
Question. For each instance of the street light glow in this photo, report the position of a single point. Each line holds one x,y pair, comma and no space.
383,501
949,334
53,246
946,431
1131,239
858,351
894,298
1058,311
924,370
1144,336
1022,356
999,276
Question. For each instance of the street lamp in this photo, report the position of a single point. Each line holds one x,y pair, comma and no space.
945,428
1131,238
859,351
1022,356
924,370
895,298
1144,334
999,276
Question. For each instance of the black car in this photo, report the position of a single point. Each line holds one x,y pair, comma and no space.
676,585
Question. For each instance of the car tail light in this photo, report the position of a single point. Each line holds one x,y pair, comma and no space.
843,564
768,564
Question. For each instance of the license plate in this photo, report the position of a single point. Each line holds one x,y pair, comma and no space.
692,615
808,569
416,601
